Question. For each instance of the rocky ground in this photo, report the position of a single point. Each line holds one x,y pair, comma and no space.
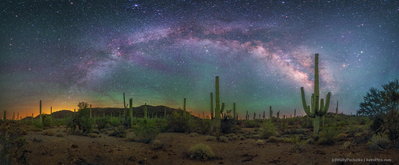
54,146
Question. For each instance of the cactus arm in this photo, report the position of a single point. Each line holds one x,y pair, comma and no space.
304,104
326,106
321,109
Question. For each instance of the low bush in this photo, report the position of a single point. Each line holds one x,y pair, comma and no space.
327,136
119,132
201,152
146,131
178,122
80,123
379,142
268,129
102,123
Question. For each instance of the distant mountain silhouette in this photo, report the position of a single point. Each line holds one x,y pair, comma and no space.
153,111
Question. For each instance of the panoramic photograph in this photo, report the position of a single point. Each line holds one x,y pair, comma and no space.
190,82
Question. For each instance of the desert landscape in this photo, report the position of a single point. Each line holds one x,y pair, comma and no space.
190,82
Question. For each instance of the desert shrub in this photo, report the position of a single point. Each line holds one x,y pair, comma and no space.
346,145
268,129
387,124
48,121
157,145
377,124
260,142
201,152
251,124
292,139
307,123
392,125
223,139
295,131
119,132
299,146
178,122
114,121
204,126
327,136
11,142
210,138
378,142
102,123
146,131
274,139
228,125
48,133
80,123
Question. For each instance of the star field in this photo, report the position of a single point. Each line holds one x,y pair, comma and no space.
157,53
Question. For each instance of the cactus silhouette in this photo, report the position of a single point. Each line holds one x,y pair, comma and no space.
90,112
131,112
316,109
294,112
264,115
184,105
234,111
336,109
278,114
254,115
40,113
247,116
212,111
5,115
217,108
145,111
270,112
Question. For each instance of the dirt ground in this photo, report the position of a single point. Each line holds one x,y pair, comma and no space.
60,148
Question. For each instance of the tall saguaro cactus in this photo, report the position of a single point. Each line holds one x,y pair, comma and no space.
90,112
294,112
247,116
212,111
317,109
270,112
5,115
184,104
145,111
40,113
336,109
217,108
234,112
131,112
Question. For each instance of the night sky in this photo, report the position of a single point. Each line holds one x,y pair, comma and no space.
159,52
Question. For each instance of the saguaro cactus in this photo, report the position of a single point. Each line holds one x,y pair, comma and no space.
316,109
247,116
264,115
184,104
90,112
217,108
278,114
145,111
270,112
212,111
294,112
131,112
40,113
254,115
234,112
5,115
336,109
